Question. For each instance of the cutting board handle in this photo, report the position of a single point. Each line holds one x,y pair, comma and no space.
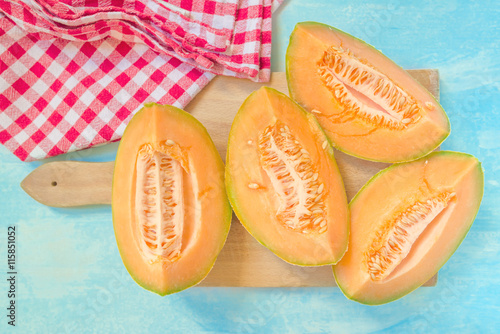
70,183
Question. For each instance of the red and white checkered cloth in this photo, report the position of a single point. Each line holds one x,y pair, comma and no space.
73,72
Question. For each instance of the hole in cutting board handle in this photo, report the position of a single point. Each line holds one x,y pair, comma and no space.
54,183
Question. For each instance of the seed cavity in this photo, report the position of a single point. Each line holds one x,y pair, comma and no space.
159,201
366,92
295,180
394,241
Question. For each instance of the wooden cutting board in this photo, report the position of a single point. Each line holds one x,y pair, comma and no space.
243,262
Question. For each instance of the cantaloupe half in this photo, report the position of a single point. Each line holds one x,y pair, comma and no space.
406,222
368,106
170,210
283,182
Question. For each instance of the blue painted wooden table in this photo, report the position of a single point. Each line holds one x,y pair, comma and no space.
71,278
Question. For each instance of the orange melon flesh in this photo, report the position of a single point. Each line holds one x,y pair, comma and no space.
350,133
254,197
393,191
201,227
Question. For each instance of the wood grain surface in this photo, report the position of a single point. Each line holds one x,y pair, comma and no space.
243,262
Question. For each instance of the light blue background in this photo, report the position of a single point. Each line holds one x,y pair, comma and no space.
72,278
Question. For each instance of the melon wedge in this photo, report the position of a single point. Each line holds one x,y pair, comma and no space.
283,182
171,215
368,106
406,222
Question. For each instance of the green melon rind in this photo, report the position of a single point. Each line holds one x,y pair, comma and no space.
480,186
227,216
233,198
291,90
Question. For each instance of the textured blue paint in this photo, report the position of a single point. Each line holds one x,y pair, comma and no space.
72,279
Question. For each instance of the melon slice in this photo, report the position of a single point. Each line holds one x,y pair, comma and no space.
406,222
368,106
170,210
283,182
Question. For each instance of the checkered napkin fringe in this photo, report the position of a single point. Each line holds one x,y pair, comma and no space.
72,73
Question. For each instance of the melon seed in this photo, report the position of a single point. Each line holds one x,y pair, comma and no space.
159,203
384,103
294,179
394,240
